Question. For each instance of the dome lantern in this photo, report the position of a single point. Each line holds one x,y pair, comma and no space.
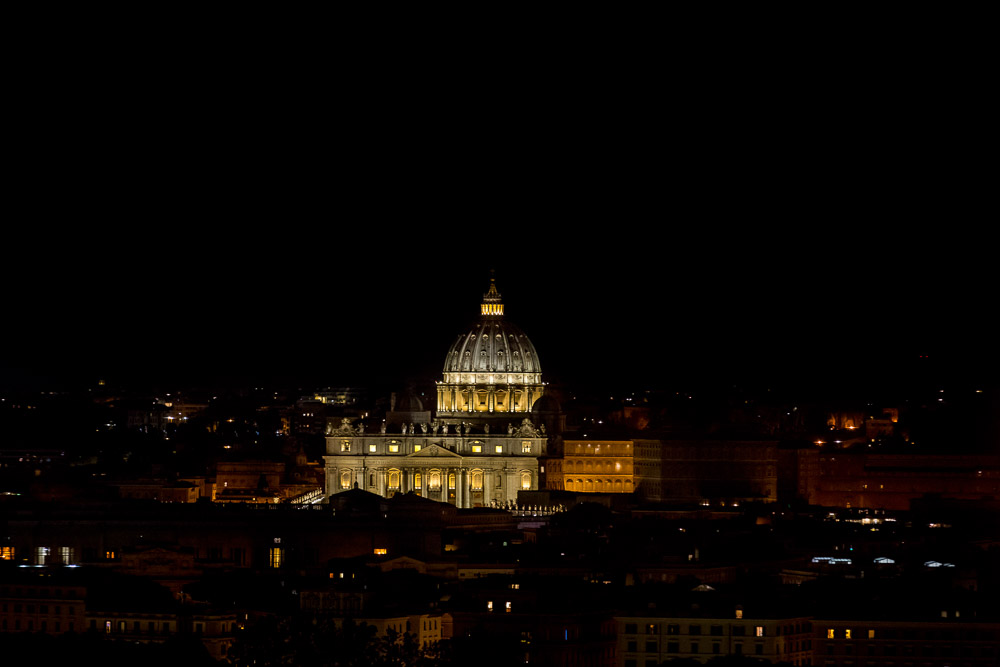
492,305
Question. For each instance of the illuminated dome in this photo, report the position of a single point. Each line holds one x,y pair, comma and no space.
491,368
493,345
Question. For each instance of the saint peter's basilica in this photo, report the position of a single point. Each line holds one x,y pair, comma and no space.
481,448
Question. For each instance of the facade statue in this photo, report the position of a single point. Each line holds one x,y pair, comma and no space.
404,429
486,429
527,429
383,428
345,428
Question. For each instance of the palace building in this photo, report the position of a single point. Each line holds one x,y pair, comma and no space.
480,448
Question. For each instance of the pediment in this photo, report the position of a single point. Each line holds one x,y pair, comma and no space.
432,451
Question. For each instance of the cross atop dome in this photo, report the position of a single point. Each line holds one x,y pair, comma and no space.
492,305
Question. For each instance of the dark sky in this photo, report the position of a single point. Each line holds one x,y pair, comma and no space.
187,230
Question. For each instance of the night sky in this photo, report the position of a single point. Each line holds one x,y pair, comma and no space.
215,236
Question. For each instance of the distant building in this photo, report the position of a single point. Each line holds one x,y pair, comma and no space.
653,638
706,471
893,481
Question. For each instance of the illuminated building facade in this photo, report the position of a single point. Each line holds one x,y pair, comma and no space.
482,446
597,467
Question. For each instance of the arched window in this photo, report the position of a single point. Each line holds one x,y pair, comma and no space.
417,480
393,479
525,480
451,480
477,480
345,479
435,480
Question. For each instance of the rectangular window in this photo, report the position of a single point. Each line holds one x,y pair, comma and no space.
631,628
673,629
829,633
477,449
393,449
371,448
498,449
6,553
652,629
651,647
380,551
694,629
673,647
871,634
847,633
526,447
417,448
694,647
716,630
345,445
275,557
632,646
759,631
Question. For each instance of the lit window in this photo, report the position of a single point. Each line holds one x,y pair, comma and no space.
498,449
371,448
275,557
345,445
526,480
109,555
451,480
393,449
41,555
477,480
417,448
435,481
525,446
6,553
871,634
829,633
759,631
393,479
489,605
739,613
345,480
380,551
66,554
507,606
847,633
417,480
477,449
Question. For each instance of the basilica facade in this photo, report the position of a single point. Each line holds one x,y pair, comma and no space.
480,448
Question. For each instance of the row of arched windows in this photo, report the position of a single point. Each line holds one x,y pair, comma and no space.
433,479
599,485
